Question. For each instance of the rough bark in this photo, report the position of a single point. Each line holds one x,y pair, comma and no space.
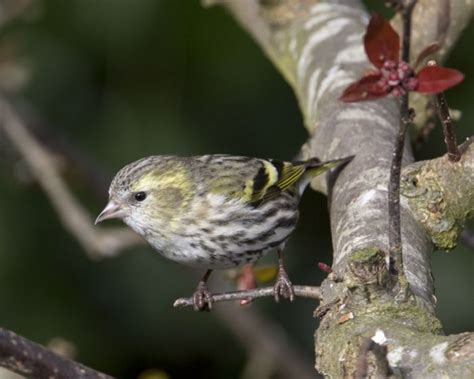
317,45
31,360
440,195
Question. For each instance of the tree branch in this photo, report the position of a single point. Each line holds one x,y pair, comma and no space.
394,226
317,45
263,336
301,291
467,239
440,195
454,154
97,243
32,360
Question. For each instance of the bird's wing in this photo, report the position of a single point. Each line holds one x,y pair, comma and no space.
251,180
287,174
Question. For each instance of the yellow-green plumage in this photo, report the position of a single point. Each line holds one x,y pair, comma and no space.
212,211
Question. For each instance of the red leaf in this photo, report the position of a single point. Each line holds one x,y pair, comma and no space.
381,41
435,79
367,88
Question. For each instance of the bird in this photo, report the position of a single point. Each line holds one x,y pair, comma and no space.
214,211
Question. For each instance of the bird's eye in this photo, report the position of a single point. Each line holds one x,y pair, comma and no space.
140,196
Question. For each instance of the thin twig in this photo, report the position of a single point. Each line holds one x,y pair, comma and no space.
98,243
32,360
301,291
380,352
395,235
454,155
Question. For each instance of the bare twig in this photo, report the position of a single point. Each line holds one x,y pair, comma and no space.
394,231
380,353
454,154
98,243
301,291
32,360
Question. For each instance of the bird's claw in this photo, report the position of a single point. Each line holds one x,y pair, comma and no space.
283,287
202,298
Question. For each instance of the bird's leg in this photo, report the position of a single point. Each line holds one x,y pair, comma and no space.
202,298
283,287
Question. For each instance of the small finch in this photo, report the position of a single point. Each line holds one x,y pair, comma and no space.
213,211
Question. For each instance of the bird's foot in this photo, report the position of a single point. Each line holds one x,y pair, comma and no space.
283,287
202,298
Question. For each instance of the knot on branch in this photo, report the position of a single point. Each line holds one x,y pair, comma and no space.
425,196
441,195
368,267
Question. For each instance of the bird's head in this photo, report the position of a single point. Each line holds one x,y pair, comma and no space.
149,194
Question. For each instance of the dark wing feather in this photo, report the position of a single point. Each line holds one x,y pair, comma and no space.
251,180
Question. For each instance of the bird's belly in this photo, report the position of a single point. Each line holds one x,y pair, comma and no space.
226,242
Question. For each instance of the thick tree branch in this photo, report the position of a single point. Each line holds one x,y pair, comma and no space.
440,194
32,360
317,45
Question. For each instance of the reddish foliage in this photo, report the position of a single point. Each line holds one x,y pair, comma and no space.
393,76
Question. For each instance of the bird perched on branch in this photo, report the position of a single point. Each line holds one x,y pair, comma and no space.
213,211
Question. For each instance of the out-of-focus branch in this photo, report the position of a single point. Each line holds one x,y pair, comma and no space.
32,360
467,238
97,243
259,334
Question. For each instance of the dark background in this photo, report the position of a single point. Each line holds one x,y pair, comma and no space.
120,80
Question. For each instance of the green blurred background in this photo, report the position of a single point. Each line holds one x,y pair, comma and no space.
119,80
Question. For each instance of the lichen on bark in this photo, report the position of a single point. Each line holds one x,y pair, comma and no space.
440,194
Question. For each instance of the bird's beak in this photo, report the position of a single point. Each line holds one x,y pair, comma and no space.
111,210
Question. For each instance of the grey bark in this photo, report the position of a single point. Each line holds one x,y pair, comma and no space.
318,48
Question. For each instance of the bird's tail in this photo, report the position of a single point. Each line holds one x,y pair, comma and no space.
315,167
